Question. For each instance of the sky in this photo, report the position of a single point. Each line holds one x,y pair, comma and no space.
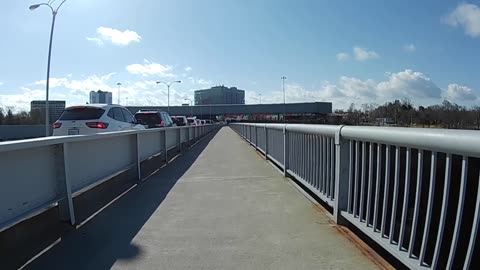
334,51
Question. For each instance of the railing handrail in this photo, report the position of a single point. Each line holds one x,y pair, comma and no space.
45,141
461,142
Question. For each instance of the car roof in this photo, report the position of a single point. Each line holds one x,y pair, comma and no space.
148,112
103,106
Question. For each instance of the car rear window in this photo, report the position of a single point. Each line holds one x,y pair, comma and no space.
191,120
82,113
178,120
148,118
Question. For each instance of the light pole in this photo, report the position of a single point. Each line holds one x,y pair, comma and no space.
118,100
284,105
54,15
191,108
168,91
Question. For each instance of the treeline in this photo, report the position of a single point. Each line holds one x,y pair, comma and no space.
8,117
403,113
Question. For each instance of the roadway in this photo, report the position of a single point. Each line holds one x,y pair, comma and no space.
217,206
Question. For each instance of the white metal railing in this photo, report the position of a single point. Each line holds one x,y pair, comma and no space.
37,174
415,192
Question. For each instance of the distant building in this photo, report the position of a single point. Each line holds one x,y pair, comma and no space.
55,109
102,97
219,95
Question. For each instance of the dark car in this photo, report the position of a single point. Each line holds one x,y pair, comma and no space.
154,119
180,121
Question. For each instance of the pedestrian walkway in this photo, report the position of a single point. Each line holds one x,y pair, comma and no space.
217,206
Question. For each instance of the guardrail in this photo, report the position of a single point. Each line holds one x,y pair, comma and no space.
38,174
415,192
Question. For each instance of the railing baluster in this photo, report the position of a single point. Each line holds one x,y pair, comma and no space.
416,209
329,172
324,160
355,193
350,178
332,168
474,232
458,219
395,194
315,161
370,182
403,220
385,193
428,217
443,215
362,185
377,186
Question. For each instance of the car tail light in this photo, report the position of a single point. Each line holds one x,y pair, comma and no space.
56,125
162,123
100,125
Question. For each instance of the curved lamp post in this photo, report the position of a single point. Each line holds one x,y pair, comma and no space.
54,14
168,91
191,104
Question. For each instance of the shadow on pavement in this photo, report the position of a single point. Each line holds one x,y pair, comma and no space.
107,237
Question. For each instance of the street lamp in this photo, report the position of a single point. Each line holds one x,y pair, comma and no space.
284,104
168,91
191,108
54,15
118,100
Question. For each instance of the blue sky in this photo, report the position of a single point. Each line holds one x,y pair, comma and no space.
340,51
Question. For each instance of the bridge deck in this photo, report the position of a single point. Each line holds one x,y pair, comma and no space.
218,206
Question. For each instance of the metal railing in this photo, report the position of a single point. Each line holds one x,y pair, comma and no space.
415,192
38,174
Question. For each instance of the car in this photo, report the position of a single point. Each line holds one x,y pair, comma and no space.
154,119
94,118
192,121
180,121
203,122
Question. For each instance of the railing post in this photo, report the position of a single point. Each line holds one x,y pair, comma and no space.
256,137
286,151
266,141
179,139
165,144
341,177
65,206
138,157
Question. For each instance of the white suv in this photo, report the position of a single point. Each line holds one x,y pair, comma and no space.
94,118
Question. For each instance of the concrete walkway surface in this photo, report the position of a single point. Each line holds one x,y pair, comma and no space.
218,206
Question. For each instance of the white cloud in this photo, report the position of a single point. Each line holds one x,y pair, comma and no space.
414,85
115,36
457,92
188,69
1,83
409,48
409,84
204,82
148,69
343,56
200,82
362,54
98,41
466,16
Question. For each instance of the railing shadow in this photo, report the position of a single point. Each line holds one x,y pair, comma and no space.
108,237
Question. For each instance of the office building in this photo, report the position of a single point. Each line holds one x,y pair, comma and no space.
102,97
219,95
55,109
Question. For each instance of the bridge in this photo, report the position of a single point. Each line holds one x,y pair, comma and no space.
301,197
